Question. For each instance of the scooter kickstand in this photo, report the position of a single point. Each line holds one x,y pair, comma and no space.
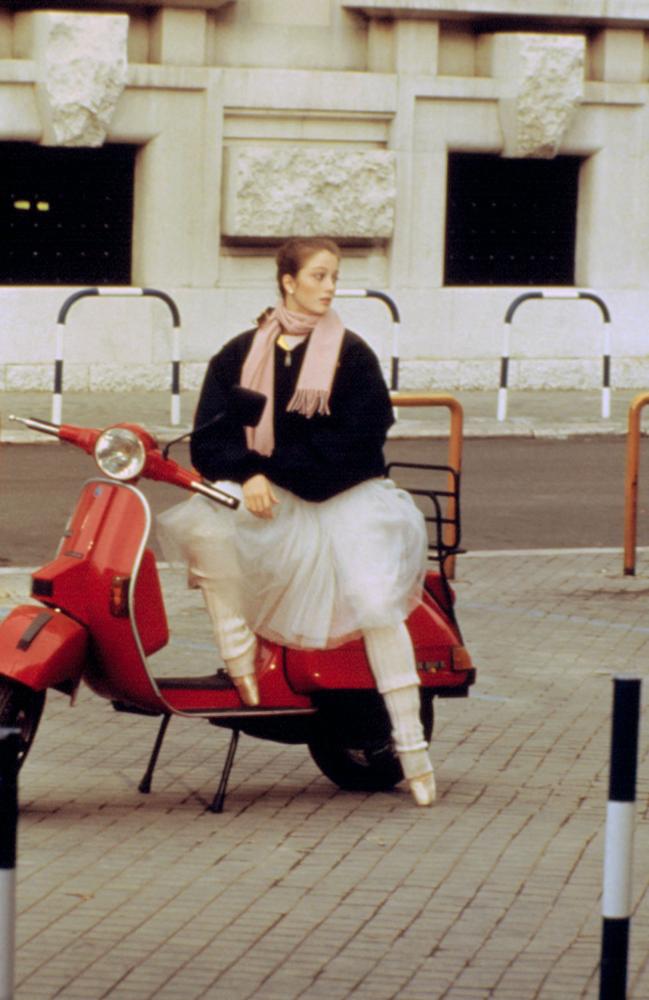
145,784
219,797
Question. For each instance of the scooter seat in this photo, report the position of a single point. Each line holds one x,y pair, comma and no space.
210,682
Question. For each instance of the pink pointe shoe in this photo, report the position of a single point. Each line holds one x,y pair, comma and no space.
247,689
423,788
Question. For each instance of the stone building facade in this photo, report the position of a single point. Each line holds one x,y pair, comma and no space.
253,120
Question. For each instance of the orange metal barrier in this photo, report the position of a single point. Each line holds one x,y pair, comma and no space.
454,459
631,482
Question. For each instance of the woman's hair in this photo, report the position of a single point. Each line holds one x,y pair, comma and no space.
293,255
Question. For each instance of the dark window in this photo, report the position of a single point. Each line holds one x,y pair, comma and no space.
65,215
511,222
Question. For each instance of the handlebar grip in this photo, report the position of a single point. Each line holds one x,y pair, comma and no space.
207,490
44,426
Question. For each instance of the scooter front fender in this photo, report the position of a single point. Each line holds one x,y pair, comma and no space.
42,648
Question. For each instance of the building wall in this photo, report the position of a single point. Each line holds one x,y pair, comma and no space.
255,120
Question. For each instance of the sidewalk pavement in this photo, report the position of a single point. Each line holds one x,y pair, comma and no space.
300,890
546,414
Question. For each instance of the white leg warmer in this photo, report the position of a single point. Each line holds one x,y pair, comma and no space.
236,642
392,659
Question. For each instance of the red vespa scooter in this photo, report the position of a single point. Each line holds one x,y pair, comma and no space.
100,618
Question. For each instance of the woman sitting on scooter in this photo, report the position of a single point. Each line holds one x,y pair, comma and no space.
323,548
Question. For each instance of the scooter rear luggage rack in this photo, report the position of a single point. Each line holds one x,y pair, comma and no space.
440,518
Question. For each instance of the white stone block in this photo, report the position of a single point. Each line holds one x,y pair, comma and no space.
416,46
37,378
81,72
279,192
618,56
570,373
178,37
543,84
6,32
380,47
457,51
122,378
630,373
314,13
193,375
19,113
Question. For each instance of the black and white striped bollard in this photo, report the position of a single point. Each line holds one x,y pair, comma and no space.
9,745
618,849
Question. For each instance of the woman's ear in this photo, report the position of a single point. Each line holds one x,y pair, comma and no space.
288,284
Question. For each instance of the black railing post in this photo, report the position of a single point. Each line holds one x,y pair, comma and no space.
618,849
9,746
387,300
122,291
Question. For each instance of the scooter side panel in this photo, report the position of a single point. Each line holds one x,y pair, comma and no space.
346,666
214,696
42,648
95,576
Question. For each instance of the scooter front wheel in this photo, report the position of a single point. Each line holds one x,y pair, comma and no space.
21,708
369,766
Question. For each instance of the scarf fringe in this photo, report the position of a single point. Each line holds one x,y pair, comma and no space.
309,402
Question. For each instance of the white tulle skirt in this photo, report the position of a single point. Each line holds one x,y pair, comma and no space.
315,575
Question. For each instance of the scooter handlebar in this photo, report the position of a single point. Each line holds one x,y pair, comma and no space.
166,470
157,466
44,426
82,437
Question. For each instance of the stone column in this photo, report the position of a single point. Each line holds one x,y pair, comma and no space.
611,240
618,56
416,49
178,37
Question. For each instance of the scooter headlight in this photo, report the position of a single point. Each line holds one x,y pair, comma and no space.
120,454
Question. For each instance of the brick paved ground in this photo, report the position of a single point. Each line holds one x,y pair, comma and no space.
299,890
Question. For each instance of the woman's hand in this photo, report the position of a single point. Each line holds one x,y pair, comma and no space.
258,496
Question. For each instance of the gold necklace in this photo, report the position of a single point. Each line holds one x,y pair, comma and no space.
287,350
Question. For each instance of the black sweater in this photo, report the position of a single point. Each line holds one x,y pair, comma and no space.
315,457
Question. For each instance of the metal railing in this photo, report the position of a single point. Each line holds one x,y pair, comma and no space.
370,293
126,291
631,481
556,293
454,456
123,292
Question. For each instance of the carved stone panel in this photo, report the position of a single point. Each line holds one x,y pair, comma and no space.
279,192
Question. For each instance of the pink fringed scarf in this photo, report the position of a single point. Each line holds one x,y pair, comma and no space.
316,375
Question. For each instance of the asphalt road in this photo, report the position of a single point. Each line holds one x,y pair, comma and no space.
516,493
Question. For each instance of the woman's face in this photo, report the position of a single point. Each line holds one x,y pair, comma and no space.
314,285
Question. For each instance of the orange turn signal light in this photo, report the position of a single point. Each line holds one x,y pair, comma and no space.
460,659
119,588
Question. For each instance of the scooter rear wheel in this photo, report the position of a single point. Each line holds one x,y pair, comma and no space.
371,767
20,707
